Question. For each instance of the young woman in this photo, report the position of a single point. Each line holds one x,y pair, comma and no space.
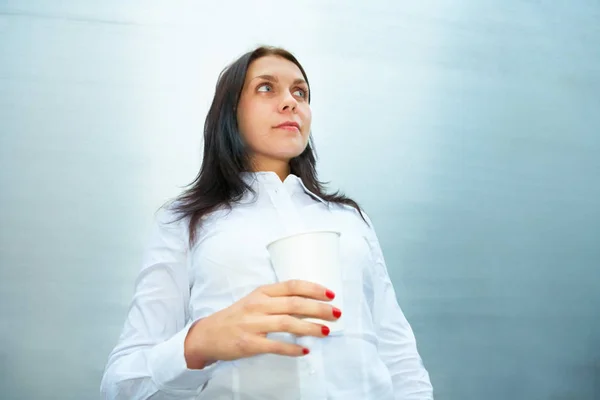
208,318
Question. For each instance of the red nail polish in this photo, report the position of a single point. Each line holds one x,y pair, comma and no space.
325,330
330,294
337,312
305,351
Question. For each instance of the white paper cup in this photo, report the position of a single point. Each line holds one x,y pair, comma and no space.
313,257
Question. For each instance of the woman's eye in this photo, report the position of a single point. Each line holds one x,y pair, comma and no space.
265,87
300,92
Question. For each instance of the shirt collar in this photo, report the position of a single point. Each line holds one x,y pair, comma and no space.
271,179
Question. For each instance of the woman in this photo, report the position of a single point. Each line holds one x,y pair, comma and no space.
209,319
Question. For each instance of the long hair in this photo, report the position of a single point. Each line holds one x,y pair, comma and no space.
219,182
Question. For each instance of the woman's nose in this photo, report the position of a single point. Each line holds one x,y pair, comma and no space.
288,103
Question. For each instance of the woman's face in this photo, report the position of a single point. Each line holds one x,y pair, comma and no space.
273,112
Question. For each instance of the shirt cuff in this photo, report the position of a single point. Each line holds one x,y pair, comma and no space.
169,370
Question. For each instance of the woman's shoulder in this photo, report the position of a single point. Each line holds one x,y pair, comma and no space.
168,219
349,210
358,218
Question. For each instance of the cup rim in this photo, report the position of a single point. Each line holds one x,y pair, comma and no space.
301,234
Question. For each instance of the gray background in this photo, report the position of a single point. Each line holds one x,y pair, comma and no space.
469,130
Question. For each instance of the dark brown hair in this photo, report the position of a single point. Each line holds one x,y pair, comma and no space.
219,182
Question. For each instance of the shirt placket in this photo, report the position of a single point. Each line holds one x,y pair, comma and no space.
311,371
288,214
310,367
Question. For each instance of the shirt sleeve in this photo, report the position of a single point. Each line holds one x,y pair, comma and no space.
148,360
397,344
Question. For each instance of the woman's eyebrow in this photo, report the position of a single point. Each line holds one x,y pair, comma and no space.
272,78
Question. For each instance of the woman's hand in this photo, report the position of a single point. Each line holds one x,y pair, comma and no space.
240,330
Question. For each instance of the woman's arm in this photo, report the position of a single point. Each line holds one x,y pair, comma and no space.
397,344
148,360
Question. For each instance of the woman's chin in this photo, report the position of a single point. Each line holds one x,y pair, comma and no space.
288,153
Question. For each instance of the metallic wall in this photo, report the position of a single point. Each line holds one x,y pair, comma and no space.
469,130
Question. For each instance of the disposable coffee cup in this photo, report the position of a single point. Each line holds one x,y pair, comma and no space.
313,257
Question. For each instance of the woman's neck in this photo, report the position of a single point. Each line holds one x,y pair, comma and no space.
281,168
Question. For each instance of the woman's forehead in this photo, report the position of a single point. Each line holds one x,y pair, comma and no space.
274,66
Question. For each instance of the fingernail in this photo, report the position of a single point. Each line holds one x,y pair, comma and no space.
325,330
305,351
330,294
337,312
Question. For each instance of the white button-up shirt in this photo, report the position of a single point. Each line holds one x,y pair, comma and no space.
375,357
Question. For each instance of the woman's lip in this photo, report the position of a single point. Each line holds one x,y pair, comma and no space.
291,128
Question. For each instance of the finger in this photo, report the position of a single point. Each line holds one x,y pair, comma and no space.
300,306
290,324
264,346
298,288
